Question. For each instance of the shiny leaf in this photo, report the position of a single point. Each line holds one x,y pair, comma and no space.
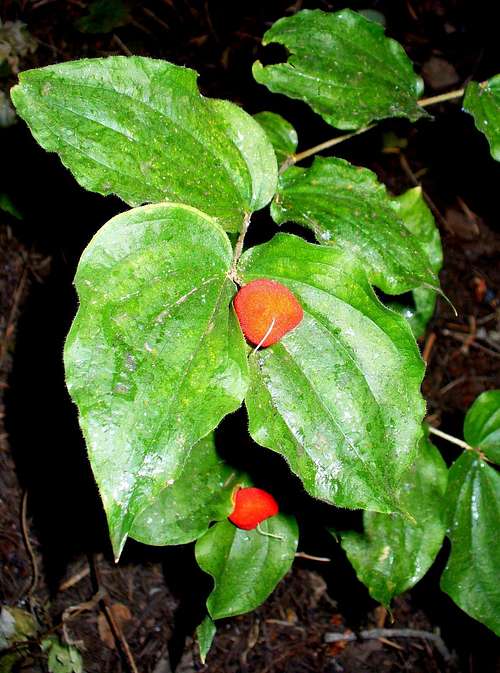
246,565
347,207
339,395
482,425
138,127
183,511
471,574
344,67
155,357
393,553
282,136
205,634
482,101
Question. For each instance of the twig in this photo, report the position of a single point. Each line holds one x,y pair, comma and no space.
441,98
450,438
73,611
29,547
12,313
74,579
309,557
429,344
378,634
122,45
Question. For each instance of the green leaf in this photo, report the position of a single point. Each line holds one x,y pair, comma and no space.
393,554
246,565
103,16
471,574
347,207
282,135
8,207
139,128
419,220
205,634
482,101
344,67
482,425
62,658
202,493
338,396
155,357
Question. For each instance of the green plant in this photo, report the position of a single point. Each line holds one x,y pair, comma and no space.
156,357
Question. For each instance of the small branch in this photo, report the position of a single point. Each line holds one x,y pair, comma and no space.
450,438
29,546
442,98
309,557
238,248
391,633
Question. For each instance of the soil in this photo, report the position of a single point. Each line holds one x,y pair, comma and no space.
56,555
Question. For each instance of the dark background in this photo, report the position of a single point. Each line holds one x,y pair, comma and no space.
450,42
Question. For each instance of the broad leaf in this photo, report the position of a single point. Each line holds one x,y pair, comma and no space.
393,554
246,564
482,101
347,207
138,127
339,395
202,493
471,574
418,219
281,134
482,424
155,357
205,634
344,67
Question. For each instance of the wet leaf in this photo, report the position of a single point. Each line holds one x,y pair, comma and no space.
482,101
393,553
201,494
155,357
282,136
246,565
205,634
139,128
343,66
347,207
471,574
331,396
482,425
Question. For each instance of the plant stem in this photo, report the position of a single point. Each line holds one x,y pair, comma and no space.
450,438
423,102
238,248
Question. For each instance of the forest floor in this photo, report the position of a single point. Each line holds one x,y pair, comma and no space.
53,547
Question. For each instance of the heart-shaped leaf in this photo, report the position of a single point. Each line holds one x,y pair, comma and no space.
344,67
393,554
482,101
482,425
471,574
155,357
339,395
246,564
347,207
183,511
139,128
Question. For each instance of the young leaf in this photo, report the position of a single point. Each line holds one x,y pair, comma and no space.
393,554
155,357
139,128
246,564
482,425
205,634
344,67
339,395
348,207
482,101
282,136
471,574
183,511
418,219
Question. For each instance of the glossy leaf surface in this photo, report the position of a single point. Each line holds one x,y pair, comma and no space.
330,396
471,574
282,135
343,66
138,128
482,424
205,634
393,553
483,103
246,565
183,511
155,357
347,207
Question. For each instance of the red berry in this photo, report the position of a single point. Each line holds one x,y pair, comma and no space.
260,303
251,507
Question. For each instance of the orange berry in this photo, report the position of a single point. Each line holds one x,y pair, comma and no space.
251,507
260,303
